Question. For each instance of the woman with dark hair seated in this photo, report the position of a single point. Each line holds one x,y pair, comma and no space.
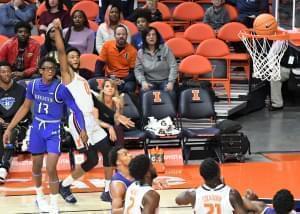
156,66
79,35
54,10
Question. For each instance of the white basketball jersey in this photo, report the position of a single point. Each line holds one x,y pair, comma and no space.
213,201
134,198
81,92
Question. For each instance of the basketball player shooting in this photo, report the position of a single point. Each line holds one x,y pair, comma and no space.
79,88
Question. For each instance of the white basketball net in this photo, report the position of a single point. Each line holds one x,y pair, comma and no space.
266,55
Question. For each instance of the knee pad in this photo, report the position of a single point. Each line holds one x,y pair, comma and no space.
90,162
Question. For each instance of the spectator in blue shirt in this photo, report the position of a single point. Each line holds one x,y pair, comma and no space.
14,12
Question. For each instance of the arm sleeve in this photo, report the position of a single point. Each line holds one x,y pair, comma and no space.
26,14
172,65
33,62
29,94
90,43
65,95
139,68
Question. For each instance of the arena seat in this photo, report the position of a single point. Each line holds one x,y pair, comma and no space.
198,32
217,52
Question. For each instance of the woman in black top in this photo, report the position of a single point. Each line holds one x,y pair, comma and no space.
110,106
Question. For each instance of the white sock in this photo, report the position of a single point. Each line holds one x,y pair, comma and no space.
39,192
53,200
68,181
106,187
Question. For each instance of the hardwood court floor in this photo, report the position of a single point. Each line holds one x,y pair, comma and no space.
265,178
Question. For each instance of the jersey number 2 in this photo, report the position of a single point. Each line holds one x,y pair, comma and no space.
43,108
213,208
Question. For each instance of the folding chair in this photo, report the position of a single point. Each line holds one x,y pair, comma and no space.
88,64
195,104
39,39
196,33
159,104
93,25
131,26
165,11
180,47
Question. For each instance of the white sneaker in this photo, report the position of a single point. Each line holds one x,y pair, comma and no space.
3,175
42,204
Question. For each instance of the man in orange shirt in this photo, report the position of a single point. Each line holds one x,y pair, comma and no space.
117,61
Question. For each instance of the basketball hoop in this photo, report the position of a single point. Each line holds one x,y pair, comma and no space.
266,52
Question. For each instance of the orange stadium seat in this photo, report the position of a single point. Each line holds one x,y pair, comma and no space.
165,30
165,11
217,51
90,8
186,13
198,32
229,33
2,39
180,47
131,26
232,11
39,39
88,62
93,25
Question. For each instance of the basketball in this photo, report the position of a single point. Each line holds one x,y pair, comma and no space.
265,24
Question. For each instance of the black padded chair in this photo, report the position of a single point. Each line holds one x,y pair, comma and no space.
134,135
96,83
195,104
159,104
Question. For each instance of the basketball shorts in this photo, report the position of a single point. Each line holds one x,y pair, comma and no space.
44,139
94,131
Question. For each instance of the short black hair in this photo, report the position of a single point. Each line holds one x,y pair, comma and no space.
5,63
47,59
70,49
209,169
283,201
139,166
22,24
144,35
113,155
142,13
122,26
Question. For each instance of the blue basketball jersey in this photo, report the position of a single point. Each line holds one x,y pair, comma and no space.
119,177
46,104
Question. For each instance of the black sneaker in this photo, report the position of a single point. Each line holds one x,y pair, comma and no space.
105,196
66,193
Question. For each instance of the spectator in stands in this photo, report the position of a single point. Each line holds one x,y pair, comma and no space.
155,13
250,9
105,32
142,19
21,52
14,12
156,66
216,15
126,7
110,106
117,60
54,10
79,35
289,62
212,191
48,48
12,96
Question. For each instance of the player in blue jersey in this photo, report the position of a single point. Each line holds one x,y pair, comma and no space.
48,97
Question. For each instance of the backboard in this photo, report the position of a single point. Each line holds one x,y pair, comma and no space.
287,13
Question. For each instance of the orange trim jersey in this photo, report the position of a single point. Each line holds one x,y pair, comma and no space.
118,63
